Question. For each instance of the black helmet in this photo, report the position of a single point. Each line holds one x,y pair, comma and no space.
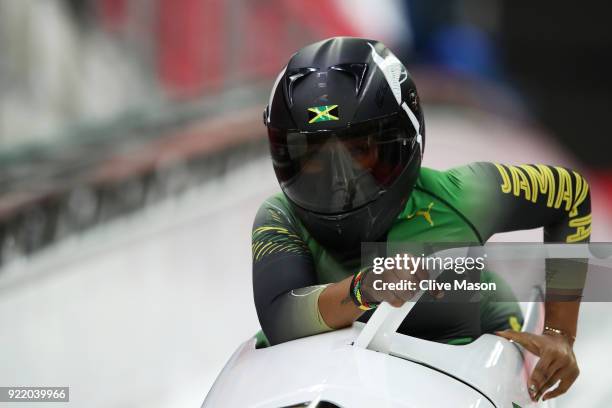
346,135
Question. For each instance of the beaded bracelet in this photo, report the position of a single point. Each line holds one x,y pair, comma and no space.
355,292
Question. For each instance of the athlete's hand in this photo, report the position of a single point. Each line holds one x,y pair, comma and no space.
372,289
557,362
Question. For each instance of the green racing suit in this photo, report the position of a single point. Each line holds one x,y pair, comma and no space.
467,204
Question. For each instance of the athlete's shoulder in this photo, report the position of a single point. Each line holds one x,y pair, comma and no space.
276,201
274,209
276,212
458,173
276,230
470,176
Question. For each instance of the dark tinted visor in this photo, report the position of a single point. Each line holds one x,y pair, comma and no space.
335,171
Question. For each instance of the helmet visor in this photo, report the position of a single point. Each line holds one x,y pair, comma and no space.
335,171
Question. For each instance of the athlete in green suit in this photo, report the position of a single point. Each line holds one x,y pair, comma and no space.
465,204
347,136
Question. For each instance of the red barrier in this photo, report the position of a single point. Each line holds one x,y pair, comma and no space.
204,44
190,44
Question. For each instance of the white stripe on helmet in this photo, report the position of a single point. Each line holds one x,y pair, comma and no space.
394,72
278,78
415,124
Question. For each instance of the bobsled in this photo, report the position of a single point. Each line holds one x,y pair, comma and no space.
372,365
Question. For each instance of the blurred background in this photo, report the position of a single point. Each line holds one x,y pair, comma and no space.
133,159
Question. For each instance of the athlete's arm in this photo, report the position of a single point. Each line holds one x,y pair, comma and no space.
558,199
289,300
285,286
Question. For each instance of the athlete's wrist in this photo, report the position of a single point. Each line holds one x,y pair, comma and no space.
552,331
